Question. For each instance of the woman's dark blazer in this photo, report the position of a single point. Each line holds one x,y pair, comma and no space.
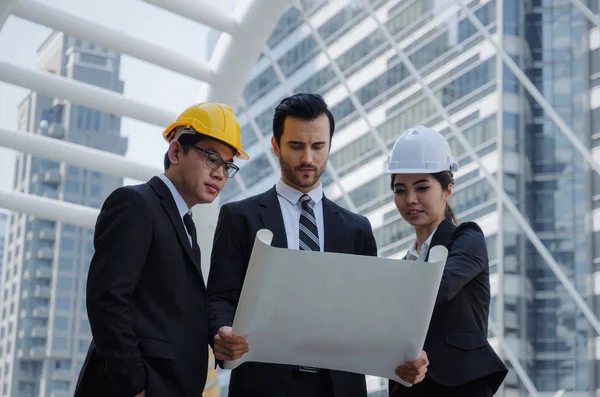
456,341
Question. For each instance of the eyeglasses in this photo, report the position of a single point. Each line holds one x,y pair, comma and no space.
214,161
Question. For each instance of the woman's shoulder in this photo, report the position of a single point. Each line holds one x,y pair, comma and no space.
468,227
468,233
468,236
448,230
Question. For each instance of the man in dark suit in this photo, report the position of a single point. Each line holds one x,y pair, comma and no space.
300,217
146,297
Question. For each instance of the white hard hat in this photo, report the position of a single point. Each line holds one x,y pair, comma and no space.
420,150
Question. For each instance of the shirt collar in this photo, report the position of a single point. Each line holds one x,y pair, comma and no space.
412,250
293,195
179,201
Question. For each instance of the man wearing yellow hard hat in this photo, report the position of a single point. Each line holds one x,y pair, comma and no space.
146,296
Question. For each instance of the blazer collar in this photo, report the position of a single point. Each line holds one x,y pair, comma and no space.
168,203
270,213
441,235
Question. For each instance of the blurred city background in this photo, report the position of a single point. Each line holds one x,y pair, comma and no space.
87,86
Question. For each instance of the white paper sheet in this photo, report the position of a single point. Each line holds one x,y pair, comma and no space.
337,311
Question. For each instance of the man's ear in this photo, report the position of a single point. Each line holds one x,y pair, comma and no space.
275,146
174,152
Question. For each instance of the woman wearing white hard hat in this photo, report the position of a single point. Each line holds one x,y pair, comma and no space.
461,361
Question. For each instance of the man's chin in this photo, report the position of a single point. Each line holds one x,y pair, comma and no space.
207,199
306,184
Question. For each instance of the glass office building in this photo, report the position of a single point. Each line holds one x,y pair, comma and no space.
44,330
351,53
3,221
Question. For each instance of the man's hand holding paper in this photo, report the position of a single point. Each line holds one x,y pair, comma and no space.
414,372
228,345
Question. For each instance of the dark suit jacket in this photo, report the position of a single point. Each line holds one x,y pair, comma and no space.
456,342
146,300
238,223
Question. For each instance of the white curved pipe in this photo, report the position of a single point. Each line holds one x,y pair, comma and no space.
74,154
46,208
117,41
84,94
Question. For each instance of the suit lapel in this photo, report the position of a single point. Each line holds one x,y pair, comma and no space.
334,226
441,235
168,203
270,214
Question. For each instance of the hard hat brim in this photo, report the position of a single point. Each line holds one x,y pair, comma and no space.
412,171
453,168
169,134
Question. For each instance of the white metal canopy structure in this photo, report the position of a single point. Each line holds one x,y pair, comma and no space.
245,32
244,38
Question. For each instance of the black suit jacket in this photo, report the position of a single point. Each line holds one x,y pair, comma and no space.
146,300
345,232
456,341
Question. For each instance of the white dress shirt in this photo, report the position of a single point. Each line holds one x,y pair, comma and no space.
179,202
291,210
413,255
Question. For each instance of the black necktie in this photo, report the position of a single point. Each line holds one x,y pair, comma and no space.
309,233
191,228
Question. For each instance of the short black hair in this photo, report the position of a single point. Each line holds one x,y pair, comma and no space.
186,141
303,106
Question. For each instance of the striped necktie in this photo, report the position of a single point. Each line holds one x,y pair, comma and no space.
309,233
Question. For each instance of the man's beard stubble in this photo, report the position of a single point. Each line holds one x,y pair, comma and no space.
291,173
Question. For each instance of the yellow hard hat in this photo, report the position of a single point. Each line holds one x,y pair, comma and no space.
212,119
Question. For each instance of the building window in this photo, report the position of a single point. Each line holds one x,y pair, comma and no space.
60,385
27,388
62,365
84,326
73,171
80,117
89,113
63,303
61,322
72,187
95,190
96,121
66,263
64,283
59,343
67,244
92,59
256,171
